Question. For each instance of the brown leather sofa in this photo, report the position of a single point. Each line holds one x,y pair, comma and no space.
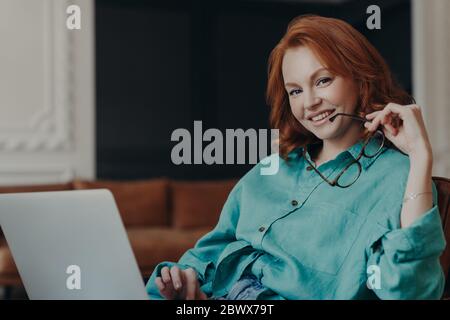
164,218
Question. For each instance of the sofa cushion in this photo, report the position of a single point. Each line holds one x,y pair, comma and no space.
140,202
153,245
198,203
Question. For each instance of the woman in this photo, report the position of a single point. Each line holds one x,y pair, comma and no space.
352,212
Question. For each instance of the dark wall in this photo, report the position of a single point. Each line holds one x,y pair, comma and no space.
160,65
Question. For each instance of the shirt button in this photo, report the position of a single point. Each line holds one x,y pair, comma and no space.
309,168
261,229
294,202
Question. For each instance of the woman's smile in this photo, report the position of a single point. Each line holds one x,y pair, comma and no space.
322,118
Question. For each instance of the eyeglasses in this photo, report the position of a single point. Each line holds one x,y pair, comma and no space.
352,171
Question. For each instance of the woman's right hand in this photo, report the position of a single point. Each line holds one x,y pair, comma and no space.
175,283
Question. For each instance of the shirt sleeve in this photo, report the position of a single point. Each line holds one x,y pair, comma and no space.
408,258
203,257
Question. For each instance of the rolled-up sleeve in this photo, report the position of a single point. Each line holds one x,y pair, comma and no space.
408,258
203,257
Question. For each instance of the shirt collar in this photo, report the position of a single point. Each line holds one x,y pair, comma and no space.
354,151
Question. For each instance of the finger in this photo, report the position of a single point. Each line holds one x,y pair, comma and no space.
390,108
165,275
387,134
372,115
175,273
391,129
381,118
191,283
166,291
401,111
168,286
372,125
160,284
392,121
387,121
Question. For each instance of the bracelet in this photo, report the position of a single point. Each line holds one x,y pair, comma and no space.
412,196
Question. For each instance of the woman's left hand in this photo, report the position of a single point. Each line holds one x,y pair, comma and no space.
410,136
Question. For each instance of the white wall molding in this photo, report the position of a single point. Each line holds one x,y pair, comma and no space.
35,174
47,103
431,75
49,127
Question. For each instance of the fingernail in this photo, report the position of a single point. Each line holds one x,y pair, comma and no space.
177,285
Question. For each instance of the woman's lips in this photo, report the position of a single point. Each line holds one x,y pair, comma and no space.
324,120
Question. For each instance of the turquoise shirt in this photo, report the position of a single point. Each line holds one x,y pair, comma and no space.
307,240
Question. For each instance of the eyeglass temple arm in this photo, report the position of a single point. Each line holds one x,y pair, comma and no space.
348,115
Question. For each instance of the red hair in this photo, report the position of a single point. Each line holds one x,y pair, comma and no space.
345,52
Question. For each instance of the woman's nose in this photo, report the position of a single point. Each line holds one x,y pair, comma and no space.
311,100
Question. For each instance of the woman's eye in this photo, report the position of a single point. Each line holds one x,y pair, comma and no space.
295,91
323,81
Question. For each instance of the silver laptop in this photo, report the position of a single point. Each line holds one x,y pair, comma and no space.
70,245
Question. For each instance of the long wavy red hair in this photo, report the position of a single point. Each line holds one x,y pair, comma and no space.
345,52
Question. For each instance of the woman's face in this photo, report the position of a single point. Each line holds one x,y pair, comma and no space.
315,94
